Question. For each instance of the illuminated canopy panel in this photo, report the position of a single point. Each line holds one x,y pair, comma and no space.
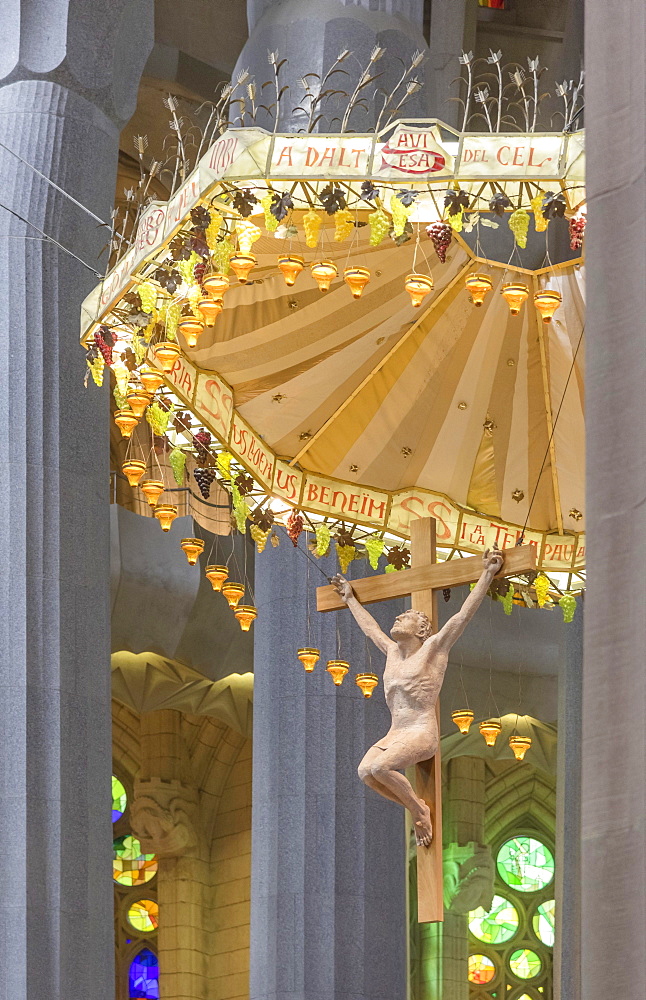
525,864
496,926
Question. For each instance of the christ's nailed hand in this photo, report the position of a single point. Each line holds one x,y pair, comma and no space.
492,560
342,587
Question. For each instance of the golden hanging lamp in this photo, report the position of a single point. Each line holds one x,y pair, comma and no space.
192,548
138,400
366,683
356,278
547,301
324,272
478,286
165,514
126,421
418,286
216,285
309,657
246,614
167,353
241,265
515,295
191,329
210,309
150,379
233,592
152,490
463,718
291,266
520,745
491,730
337,670
133,470
216,575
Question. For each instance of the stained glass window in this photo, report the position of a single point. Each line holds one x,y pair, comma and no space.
525,963
525,864
119,799
144,915
481,969
143,981
129,865
543,922
497,925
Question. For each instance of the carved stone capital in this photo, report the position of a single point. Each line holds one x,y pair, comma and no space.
164,817
468,877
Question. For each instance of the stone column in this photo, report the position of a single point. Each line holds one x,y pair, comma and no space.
68,81
567,947
453,31
328,907
310,35
613,881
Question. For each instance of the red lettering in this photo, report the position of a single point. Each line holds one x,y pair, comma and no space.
312,493
467,155
505,163
443,529
325,490
381,507
518,152
286,483
327,155
286,151
354,499
356,159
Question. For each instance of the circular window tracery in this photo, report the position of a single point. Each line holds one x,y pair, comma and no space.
525,864
119,799
497,925
129,866
482,969
525,963
144,915
543,922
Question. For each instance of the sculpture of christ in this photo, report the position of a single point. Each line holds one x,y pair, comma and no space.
416,660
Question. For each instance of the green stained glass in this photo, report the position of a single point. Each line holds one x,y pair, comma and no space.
525,963
543,922
481,969
525,864
129,865
497,925
119,799
144,915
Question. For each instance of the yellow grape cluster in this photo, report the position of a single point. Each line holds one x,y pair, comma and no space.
139,348
322,539
213,229
241,511
173,312
346,554
222,253
567,605
540,222
121,375
148,296
195,293
96,368
185,268
158,418
379,224
343,224
374,547
271,222
519,225
259,536
312,223
456,221
223,462
400,214
247,234
541,586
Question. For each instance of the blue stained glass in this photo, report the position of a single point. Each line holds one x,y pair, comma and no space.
144,976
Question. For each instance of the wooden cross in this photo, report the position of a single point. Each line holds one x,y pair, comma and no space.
422,582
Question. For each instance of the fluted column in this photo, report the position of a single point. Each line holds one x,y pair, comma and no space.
328,911
68,81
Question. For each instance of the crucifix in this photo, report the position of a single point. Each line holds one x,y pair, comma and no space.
416,658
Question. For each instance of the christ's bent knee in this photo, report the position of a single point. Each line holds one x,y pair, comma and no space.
364,770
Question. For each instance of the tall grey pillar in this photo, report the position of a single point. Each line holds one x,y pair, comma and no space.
68,80
453,31
310,35
614,688
567,949
328,860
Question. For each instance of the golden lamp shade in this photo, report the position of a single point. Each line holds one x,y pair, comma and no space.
547,301
356,278
337,670
366,683
309,657
190,328
166,352
133,470
324,272
233,592
463,718
126,421
210,309
246,614
478,286
150,379
138,400
417,286
165,514
291,266
241,265
192,548
515,295
216,575
152,490
520,745
216,285
491,730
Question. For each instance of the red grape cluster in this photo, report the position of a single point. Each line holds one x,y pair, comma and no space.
440,233
294,526
104,340
202,443
204,478
577,229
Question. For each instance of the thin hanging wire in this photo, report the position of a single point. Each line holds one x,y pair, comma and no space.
491,697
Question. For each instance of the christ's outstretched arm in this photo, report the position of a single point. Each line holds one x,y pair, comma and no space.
492,561
363,618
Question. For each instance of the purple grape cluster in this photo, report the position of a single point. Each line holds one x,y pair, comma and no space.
204,479
440,233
